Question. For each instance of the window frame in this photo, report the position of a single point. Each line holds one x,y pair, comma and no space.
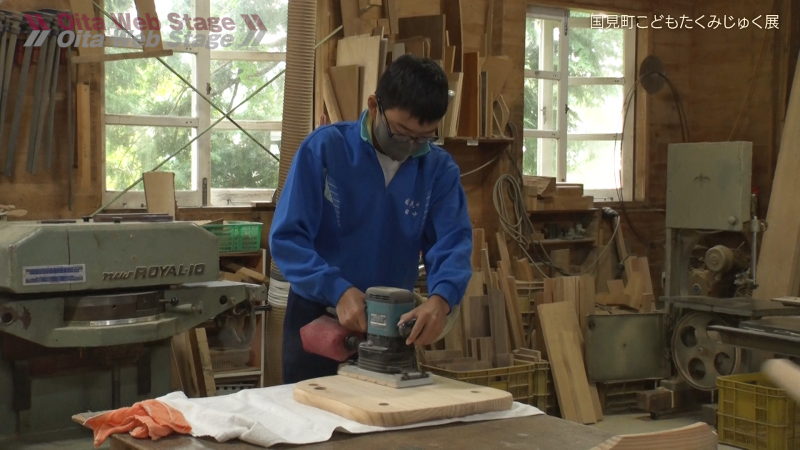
202,192
561,135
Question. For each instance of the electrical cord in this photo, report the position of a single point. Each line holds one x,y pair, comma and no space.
629,96
491,161
520,227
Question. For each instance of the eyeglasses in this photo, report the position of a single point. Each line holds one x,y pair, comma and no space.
402,137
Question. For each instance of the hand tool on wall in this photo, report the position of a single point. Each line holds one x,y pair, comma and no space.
51,112
71,129
5,21
11,145
41,93
14,29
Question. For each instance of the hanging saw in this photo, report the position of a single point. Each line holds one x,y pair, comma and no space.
14,29
5,21
51,113
11,146
41,92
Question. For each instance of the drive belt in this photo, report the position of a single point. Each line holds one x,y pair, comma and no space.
42,86
21,85
14,28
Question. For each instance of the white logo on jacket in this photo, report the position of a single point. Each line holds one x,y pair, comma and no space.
411,208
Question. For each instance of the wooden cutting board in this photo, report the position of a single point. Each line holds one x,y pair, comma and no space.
373,404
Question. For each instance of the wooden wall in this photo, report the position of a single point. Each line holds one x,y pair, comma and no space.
45,194
509,39
711,70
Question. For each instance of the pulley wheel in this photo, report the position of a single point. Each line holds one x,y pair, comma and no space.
699,354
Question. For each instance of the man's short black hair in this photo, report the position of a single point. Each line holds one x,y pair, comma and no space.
416,85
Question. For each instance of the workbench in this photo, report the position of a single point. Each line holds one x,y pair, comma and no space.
533,432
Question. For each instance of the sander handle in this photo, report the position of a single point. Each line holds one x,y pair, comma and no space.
405,328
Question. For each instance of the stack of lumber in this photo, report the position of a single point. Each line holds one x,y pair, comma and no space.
698,436
375,35
191,367
544,194
230,271
635,290
244,268
490,333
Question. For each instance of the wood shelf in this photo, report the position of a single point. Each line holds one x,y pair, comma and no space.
476,142
564,241
246,372
239,254
563,211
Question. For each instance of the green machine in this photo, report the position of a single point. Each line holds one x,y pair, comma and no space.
87,311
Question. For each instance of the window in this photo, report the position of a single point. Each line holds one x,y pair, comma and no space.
579,142
150,113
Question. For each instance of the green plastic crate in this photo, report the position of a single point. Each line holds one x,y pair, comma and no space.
527,382
237,236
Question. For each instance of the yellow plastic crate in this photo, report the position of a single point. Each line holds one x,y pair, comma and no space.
527,383
755,415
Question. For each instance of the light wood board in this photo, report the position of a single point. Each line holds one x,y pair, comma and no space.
485,106
346,85
477,245
418,46
373,404
84,135
509,287
362,51
428,26
498,323
499,67
393,16
502,247
450,127
452,12
159,192
350,16
469,118
561,259
698,436
330,99
778,261
562,335
366,4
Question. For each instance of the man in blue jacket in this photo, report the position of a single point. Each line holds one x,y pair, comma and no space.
361,201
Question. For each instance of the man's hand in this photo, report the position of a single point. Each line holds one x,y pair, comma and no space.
431,318
351,310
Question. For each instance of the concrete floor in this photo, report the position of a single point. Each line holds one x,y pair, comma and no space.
620,423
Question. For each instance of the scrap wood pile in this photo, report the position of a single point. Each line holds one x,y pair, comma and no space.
544,194
489,345
243,268
491,329
515,313
375,34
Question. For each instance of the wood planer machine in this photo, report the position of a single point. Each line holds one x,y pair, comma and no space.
88,308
